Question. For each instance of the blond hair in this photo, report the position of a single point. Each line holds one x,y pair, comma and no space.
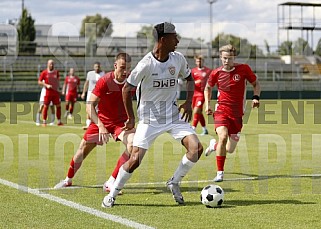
228,48
197,57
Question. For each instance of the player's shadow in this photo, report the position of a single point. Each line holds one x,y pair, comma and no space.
155,190
236,203
266,177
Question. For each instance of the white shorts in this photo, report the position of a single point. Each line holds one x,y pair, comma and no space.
88,95
42,97
146,134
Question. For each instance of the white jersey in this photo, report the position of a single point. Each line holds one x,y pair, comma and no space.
157,84
92,78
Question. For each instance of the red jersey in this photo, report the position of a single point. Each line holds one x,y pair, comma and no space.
200,76
231,85
72,83
110,107
51,78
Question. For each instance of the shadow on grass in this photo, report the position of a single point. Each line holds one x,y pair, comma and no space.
266,177
235,203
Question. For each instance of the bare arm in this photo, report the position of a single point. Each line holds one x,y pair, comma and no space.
84,89
187,106
43,84
63,88
208,96
128,103
92,113
256,94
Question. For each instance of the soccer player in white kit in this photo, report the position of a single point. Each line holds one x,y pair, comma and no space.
155,77
90,83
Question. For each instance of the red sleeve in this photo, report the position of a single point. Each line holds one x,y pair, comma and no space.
250,76
101,87
42,76
78,81
58,76
66,79
212,79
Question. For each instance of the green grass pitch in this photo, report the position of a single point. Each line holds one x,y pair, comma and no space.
273,180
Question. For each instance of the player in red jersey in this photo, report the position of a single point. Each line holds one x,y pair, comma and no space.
200,74
231,79
49,79
107,112
70,90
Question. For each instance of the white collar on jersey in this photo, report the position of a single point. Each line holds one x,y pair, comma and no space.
228,70
117,82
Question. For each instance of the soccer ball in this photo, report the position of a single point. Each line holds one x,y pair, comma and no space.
212,196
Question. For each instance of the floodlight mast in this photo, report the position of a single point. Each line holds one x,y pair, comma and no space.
211,32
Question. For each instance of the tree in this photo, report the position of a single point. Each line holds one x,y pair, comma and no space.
146,32
302,47
267,47
103,26
243,46
93,26
26,33
285,48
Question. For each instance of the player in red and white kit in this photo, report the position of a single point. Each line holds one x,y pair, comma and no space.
107,112
49,79
200,74
231,79
70,90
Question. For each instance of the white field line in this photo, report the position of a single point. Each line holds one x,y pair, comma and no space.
76,206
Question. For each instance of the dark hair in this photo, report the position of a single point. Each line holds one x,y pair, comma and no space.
97,62
123,55
162,29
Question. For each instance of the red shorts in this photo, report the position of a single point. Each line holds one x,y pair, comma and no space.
71,97
92,133
54,98
234,125
198,101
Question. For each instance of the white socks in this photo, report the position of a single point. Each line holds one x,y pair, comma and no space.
38,117
183,168
120,181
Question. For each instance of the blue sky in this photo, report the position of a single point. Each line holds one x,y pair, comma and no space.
255,20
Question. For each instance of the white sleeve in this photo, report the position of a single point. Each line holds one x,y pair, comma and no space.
185,71
138,74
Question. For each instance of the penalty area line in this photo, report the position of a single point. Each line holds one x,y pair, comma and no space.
79,207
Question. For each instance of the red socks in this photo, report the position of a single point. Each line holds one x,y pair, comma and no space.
73,168
58,112
45,113
122,159
220,161
202,120
198,118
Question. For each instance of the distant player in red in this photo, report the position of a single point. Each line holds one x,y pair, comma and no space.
70,90
231,79
200,74
49,79
106,98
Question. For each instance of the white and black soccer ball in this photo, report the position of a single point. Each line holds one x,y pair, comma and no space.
212,196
